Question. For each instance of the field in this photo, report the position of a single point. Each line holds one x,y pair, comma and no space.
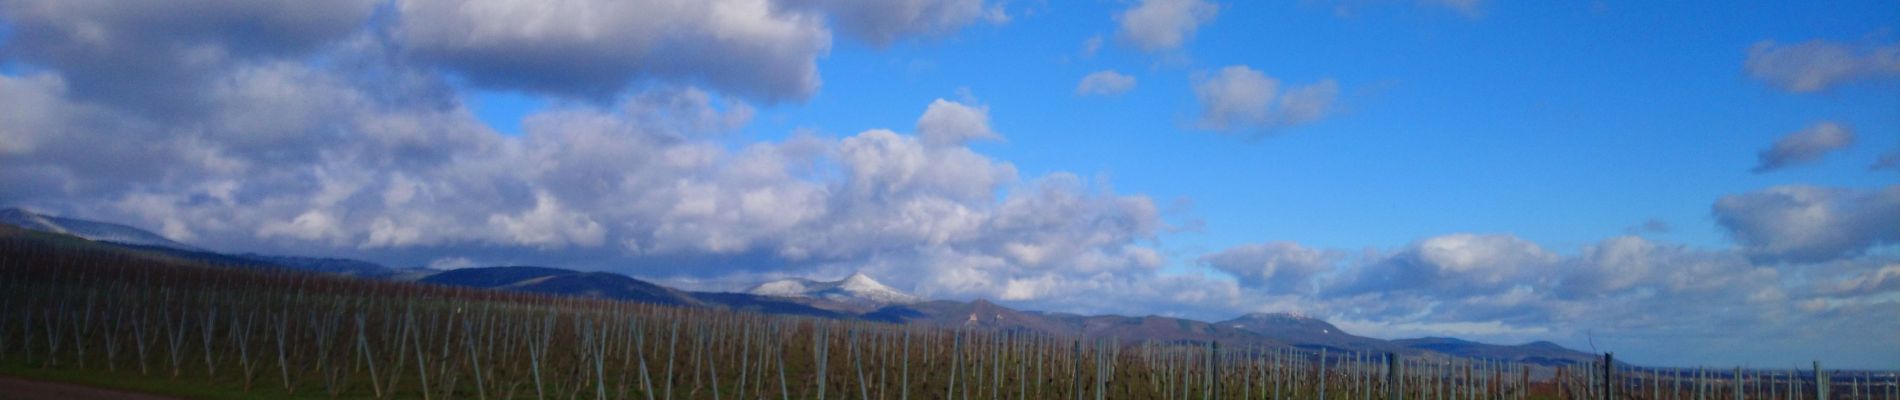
72,311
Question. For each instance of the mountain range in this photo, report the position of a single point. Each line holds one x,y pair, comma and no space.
91,230
858,293
857,296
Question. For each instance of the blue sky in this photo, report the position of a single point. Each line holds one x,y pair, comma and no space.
1688,182
1523,119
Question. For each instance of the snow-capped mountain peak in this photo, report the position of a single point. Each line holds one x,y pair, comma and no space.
859,282
781,288
857,288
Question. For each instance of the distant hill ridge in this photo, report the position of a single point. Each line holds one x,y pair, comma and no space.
92,230
855,296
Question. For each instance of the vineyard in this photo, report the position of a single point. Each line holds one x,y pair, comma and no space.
73,309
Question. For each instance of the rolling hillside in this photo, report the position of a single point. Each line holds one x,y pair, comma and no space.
858,296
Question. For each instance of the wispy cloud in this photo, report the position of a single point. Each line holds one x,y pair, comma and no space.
1104,83
1240,98
1817,65
1804,146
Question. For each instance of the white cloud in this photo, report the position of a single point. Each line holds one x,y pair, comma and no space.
371,154
688,110
1615,264
1159,25
548,226
147,56
33,105
1104,83
1242,98
1804,146
1633,265
345,172
1817,65
885,165
949,123
1885,280
451,263
1303,104
313,225
593,49
1457,264
1236,96
1277,266
1489,329
1632,294
1808,223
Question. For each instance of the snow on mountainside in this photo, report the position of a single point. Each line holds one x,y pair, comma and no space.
91,230
857,288
1302,330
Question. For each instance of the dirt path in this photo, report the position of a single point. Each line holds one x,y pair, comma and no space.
12,388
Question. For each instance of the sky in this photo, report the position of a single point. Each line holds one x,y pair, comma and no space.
1683,183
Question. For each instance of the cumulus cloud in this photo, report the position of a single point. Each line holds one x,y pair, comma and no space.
1237,95
1630,265
1457,263
1817,65
1804,146
1808,223
1242,98
593,49
949,123
1277,266
272,118
1159,25
1104,83
369,153
304,160
883,165
688,110
547,225
146,56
